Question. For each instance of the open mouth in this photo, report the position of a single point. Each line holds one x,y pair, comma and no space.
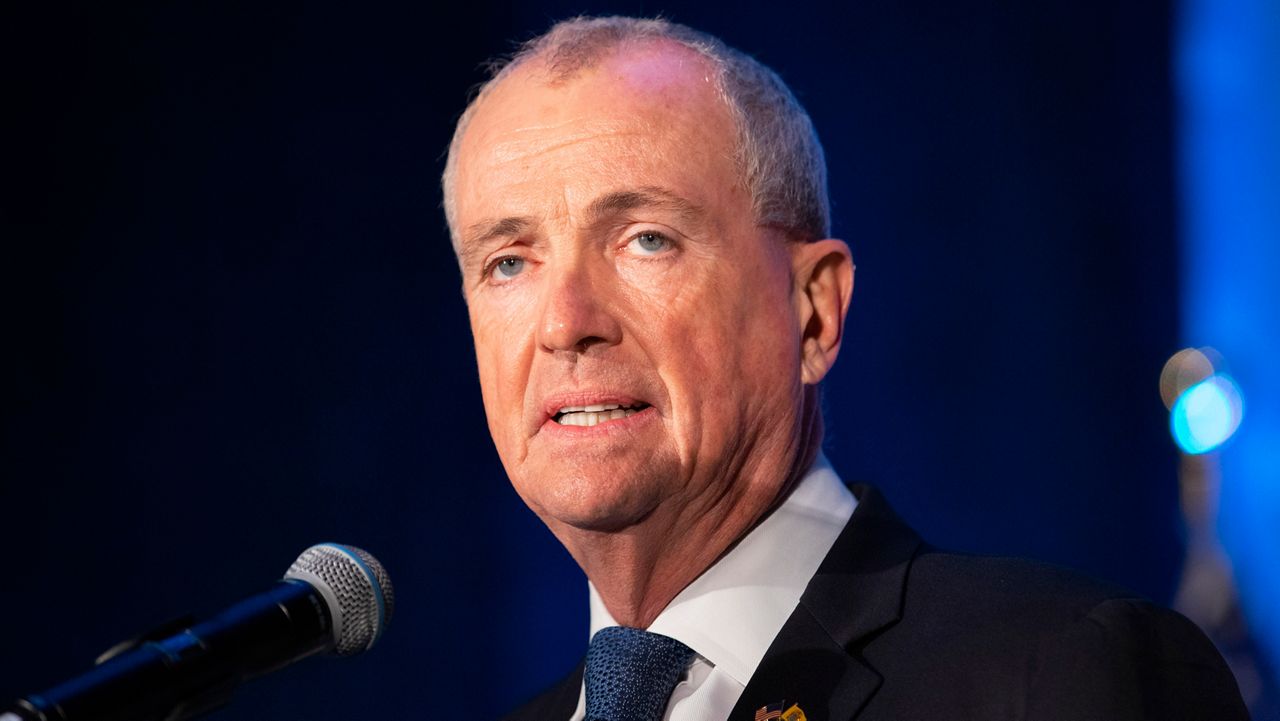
596,414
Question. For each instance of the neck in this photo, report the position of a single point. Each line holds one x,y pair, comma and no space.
638,570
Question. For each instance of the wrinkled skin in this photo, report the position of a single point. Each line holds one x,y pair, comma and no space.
610,255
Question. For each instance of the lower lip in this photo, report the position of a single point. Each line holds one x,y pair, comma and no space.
602,429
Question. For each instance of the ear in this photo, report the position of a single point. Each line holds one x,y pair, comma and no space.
822,273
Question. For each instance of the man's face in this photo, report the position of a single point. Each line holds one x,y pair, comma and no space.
635,331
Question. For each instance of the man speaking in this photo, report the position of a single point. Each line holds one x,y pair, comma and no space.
640,215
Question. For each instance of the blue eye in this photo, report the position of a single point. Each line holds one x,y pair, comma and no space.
649,243
507,267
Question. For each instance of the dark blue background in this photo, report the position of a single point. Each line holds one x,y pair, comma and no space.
233,324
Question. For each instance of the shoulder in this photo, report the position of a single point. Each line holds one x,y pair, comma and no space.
1149,659
1005,637
1046,638
880,559
969,587
994,611
1023,604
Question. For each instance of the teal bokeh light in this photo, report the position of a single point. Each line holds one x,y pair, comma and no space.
1207,414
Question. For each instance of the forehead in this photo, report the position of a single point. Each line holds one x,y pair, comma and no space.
647,115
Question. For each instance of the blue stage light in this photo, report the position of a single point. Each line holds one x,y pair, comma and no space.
1206,414
1229,124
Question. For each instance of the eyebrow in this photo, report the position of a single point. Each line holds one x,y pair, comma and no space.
482,234
649,196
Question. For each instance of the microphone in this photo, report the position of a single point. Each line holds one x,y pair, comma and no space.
334,599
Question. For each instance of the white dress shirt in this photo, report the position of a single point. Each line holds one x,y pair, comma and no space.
731,613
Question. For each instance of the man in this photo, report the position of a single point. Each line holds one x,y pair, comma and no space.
641,221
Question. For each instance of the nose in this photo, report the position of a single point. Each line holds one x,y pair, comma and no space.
577,311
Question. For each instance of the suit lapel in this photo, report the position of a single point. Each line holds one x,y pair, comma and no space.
805,666
814,661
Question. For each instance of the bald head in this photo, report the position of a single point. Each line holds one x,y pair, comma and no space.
777,155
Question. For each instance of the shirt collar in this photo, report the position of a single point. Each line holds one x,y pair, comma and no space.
731,613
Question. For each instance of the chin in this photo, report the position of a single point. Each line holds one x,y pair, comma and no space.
603,502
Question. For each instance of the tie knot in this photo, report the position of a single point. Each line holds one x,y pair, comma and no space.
631,673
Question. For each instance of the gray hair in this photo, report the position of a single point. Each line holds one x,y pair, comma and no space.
777,150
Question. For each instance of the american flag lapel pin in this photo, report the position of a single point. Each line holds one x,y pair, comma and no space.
775,711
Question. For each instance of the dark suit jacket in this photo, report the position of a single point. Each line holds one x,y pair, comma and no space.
891,628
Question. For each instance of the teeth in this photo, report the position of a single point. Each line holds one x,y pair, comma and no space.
596,408
588,416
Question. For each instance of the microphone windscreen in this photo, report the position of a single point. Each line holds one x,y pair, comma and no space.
357,589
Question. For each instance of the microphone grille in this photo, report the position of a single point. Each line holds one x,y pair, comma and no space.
361,598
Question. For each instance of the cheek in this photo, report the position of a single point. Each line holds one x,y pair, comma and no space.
751,354
726,345
503,345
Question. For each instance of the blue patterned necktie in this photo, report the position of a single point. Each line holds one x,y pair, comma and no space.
631,673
